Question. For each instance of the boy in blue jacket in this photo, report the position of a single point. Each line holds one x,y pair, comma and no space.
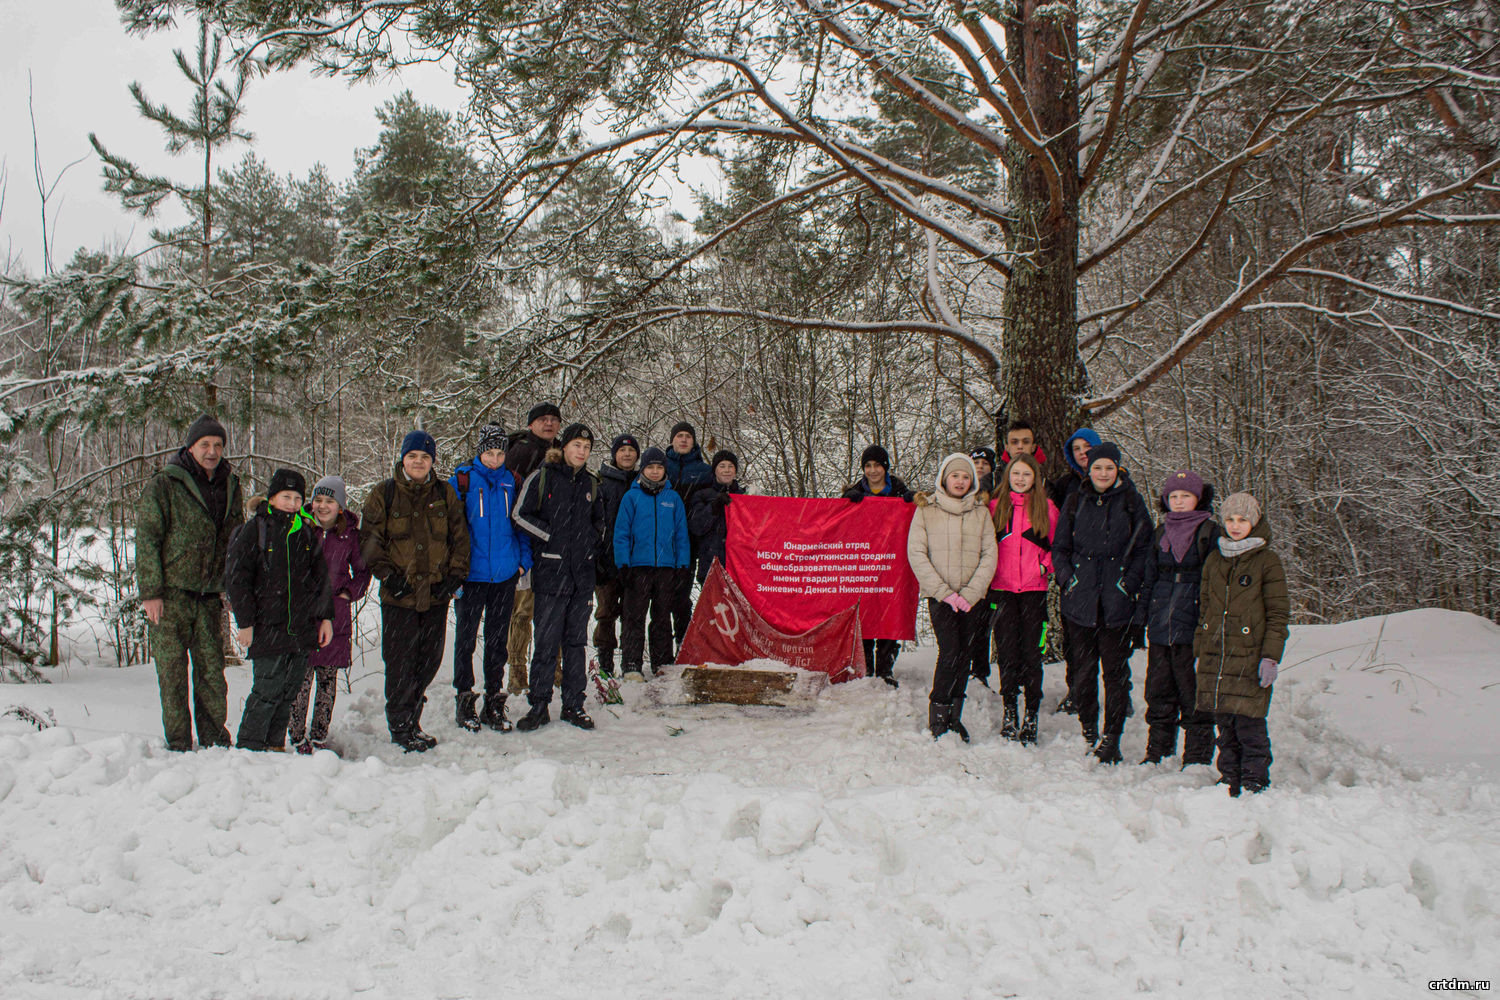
498,554
651,551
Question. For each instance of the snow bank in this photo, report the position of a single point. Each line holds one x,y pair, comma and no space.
839,853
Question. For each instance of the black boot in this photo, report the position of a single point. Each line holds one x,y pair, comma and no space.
1197,745
1028,725
416,725
577,717
1066,706
885,665
955,719
494,713
1161,743
937,718
1108,750
534,719
1010,725
1090,729
464,711
407,741
606,662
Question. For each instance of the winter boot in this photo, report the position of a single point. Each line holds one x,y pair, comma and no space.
938,714
606,662
955,719
885,666
1010,726
1066,706
1108,750
416,726
534,719
464,711
1197,745
494,713
1090,729
407,740
1161,743
1028,725
577,717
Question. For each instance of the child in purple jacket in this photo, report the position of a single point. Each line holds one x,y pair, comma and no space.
338,530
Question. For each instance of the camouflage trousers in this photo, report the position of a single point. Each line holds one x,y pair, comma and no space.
191,626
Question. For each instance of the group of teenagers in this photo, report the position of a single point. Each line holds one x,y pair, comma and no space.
524,540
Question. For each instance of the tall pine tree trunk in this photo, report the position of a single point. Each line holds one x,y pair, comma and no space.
1043,376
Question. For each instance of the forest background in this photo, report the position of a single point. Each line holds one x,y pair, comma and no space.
1257,239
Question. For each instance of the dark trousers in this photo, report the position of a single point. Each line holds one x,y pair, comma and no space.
269,706
561,623
1018,643
493,603
1244,751
953,630
1172,701
608,598
981,620
682,604
411,643
326,680
1107,649
653,589
880,656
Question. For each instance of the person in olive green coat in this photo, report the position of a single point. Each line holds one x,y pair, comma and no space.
183,522
1242,631
415,540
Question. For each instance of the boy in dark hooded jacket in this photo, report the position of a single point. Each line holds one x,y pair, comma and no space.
686,471
708,520
1174,569
278,587
615,479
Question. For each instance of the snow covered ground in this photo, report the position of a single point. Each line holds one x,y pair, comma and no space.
761,853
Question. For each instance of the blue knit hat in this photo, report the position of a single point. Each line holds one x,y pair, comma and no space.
1087,434
419,441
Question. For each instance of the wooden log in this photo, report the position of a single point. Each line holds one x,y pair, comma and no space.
715,684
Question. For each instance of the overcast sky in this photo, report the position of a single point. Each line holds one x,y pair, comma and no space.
81,63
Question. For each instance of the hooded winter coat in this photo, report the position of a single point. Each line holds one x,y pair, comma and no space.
183,523
895,489
951,543
614,483
1170,588
1099,553
687,472
651,528
1243,613
561,509
498,549
279,589
708,523
422,534
1022,564
1073,475
347,574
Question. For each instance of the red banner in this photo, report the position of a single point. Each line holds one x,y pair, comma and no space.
801,561
725,629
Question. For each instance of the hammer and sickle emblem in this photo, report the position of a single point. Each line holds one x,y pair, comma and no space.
726,620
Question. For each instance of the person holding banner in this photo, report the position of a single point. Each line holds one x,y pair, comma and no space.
877,481
952,551
707,524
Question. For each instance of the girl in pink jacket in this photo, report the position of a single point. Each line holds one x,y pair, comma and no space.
1024,524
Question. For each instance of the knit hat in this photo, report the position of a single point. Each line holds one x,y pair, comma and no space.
653,456
1241,505
623,441
988,454
875,453
492,436
679,427
964,462
331,486
1107,449
419,441
205,426
286,479
541,410
725,455
1187,481
575,432
1082,434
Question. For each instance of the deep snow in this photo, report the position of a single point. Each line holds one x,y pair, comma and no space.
836,852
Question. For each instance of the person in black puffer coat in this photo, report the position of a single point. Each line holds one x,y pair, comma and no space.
1174,569
615,479
1099,556
708,524
877,481
560,507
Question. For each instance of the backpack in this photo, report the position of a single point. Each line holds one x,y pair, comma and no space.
260,525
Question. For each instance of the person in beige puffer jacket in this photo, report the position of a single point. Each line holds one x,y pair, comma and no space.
951,549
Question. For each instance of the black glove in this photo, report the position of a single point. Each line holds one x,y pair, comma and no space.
398,585
1137,637
444,591
626,575
722,499
909,497
854,496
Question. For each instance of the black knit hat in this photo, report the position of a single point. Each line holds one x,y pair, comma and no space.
875,453
205,426
575,432
541,410
492,436
725,455
988,454
1107,449
286,479
653,456
679,427
624,441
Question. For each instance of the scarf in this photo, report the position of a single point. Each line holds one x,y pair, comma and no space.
1230,548
1179,527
